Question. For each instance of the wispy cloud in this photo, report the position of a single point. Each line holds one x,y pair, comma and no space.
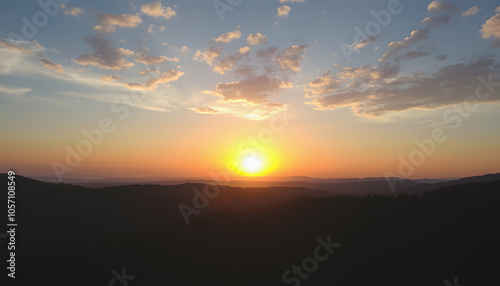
471,11
14,90
204,110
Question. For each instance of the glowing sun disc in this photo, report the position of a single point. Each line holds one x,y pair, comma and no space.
252,164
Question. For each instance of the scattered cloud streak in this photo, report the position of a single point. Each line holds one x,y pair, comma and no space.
152,83
371,92
204,110
51,65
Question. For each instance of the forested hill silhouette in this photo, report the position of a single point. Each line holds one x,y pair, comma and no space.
250,236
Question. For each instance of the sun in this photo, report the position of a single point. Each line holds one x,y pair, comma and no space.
252,164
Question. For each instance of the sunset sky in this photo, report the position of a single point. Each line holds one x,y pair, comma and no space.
181,87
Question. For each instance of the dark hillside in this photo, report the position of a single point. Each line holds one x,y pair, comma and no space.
251,236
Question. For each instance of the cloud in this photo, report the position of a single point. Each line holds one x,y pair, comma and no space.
256,39
152,84
142,57
30,49
104,29
471,11
204,110
444,10
16,46
245,71
73,11
322,85
449,85
51,65
368,74
441,57
150,29
243,50
259,82
491,29
283,11
105,56
437,21
208,56
253,91
148,71
268,53
410,55
395,47
363,43
109,21
110,78
227,37
228,62
155,9
416,36
441,6
14,90
287,60
290,58
266,110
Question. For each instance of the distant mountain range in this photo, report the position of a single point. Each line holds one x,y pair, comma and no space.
181,180
335,186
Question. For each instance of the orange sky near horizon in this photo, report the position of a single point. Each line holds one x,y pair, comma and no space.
139,149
